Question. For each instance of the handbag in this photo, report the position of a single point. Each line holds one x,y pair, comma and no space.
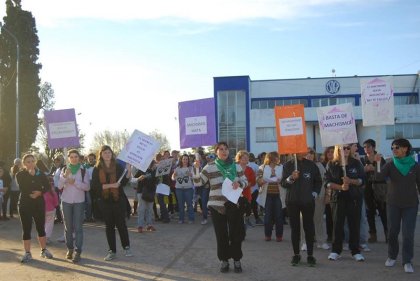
379,191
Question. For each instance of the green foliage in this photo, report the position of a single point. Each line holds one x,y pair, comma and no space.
22,24
162,139
116,140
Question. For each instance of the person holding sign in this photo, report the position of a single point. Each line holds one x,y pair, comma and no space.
74,182
402,201
227,216
108,180
268,178
345,177
303,186
182,176
32,184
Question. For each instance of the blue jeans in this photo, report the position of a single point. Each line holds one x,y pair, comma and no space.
144,212
205,192
408,217
185,195
273,212
73,214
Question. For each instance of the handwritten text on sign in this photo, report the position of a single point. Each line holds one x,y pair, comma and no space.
291,126
61,130
196,125
337,120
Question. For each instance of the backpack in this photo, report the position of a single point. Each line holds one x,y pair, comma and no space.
82,170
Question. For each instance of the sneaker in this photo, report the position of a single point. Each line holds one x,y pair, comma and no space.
365,248
203,222
224,266
295,260
76,258
69,254
259,222
333,256
358,257
46,254
390,262
408,268
324,246
61,239
26,257
237,266
151,228
110,256
127,252
140,229
267,238
279,238
304,247
311,261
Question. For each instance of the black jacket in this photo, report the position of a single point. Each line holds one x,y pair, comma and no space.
150,180
300,191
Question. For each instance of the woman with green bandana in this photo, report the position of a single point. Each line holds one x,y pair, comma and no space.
402,201
74,183
227,216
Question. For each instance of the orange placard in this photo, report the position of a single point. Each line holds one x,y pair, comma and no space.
291,129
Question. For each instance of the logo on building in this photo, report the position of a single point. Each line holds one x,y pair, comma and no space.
332,87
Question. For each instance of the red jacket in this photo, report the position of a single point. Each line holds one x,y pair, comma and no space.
250,176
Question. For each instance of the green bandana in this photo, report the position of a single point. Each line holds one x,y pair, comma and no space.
74,168
404,164
227,168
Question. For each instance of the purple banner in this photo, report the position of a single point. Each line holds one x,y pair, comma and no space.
197,123
62,128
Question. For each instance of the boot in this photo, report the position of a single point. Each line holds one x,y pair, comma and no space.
372,238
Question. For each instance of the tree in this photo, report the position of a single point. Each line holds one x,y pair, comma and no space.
162,139
22,24
116,140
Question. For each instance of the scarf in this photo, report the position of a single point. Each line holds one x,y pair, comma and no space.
74,168
112,172
227,168
404,164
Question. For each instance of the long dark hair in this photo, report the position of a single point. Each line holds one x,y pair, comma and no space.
100,163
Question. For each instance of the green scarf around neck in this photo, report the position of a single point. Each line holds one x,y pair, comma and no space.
404,164
227,168
74,168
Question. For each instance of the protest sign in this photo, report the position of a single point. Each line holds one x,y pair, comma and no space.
61,128
291,129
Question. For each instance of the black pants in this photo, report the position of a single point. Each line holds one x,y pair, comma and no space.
114,216
254,204
14,198
32,209
328,221
351,209
371,206
230,231
307,210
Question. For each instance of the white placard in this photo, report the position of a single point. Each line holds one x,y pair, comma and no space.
139,151
337,124
377,99
163,189
291,126
61,130
231,194
196,125
164,167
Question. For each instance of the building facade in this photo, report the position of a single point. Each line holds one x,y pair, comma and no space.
245,109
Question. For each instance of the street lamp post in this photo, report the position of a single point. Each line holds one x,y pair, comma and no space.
17,86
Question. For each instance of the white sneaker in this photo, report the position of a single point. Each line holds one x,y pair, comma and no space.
365,247
304,247
324,246
333,256
358,257
390,262
127,252
110,256
26,257
408,268
46,254
203,222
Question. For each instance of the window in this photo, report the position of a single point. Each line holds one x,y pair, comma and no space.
266,134
400,100
407,131
332,101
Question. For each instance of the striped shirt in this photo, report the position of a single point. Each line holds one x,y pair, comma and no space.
211,174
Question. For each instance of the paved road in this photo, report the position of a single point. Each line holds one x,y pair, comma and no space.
187,252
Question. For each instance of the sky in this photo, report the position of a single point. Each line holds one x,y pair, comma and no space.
125,65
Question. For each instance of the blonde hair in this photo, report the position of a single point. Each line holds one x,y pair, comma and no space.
337,154
270,157
240,154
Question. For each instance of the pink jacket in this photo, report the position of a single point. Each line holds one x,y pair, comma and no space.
51,201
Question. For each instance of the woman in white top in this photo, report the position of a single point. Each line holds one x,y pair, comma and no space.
74,182
184,188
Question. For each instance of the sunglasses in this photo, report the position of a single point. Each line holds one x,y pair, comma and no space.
395,147
346,147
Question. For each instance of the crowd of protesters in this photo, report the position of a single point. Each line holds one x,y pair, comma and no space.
346,189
